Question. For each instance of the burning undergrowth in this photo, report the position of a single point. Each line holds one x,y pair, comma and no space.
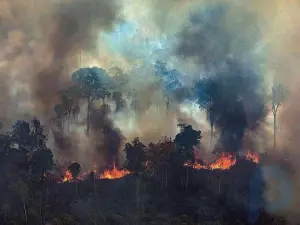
223,162
109,174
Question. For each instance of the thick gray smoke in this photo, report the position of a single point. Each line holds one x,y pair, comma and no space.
223,49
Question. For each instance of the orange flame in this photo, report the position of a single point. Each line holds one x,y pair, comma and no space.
225,162
115,173
252,156
68,176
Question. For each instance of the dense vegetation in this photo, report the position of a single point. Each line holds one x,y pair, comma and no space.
160,189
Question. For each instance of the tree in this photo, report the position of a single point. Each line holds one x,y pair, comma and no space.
20,186
170,80
68,106
119,100
205,93
185,142
20,135
74,169
38,137
135,155
187,139
278,97
93,84
41,162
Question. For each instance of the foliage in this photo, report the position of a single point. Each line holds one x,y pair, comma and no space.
74,169
135,155
186,140
92,83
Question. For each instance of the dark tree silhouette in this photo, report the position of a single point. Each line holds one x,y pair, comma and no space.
42,162
186,140
74,169
135,156
21,135
93,84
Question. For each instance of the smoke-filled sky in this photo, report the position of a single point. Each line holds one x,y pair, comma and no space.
43,42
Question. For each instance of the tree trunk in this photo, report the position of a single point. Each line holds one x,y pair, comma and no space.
88,118
137,194
76,188
95,187
211,136
187,178
274,145
166,179
25,212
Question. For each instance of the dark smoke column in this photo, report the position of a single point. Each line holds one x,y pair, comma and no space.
235,98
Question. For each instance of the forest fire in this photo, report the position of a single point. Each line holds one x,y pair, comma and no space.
224,162
252,156
115,173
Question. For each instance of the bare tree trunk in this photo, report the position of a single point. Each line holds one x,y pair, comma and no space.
88,118
76,186
187,178
166,179
274,145
211,136
95,187
25,212
137,194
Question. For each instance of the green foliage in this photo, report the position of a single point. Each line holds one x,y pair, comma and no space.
92,83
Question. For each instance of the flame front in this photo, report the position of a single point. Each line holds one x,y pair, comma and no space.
253,157
115,173
68,176
224,162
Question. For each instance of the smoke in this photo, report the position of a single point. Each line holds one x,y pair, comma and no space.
43,46
224,51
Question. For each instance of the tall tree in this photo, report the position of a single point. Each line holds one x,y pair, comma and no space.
185,142
93,84
74,169
170,79
20,135
68,107
278,97
135,155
